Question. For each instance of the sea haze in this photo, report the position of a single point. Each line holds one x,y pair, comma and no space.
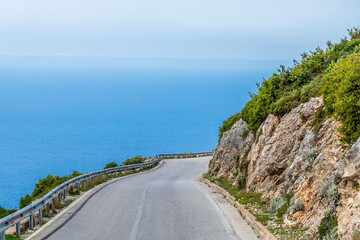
57,120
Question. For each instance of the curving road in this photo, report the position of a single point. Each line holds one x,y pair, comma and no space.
163,204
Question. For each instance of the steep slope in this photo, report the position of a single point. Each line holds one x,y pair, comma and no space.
297,143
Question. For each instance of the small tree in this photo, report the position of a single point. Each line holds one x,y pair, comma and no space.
25,201
111,165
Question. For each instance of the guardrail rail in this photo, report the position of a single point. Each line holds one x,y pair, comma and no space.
61,191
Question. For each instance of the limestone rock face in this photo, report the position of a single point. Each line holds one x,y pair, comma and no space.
232,146
293,156
347,173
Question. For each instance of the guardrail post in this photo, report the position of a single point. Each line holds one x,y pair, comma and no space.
54,202
59,198
48,207
115,173
31,222
83,184
77,187
40,216
64,195
2,235
18,229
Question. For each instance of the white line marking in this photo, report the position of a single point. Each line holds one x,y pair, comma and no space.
135,228
224,219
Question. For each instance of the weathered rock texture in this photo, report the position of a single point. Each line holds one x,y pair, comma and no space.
288,156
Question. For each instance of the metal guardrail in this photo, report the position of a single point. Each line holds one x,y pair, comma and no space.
60,191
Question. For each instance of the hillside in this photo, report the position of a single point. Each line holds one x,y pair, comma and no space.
296,143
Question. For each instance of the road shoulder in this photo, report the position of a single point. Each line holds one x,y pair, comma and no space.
239,225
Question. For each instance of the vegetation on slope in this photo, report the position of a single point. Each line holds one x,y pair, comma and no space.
134,160
333,73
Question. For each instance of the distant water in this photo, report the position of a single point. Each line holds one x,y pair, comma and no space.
55,121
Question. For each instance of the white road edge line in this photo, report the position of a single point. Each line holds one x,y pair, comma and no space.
224,219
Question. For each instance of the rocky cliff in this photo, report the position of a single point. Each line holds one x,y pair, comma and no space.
292,155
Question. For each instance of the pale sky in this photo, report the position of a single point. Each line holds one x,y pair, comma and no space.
258,29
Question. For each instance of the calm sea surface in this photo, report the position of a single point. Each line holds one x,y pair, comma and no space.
60,120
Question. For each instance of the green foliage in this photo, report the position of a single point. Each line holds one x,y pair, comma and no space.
25,201
4,212
134,160
354,33
245,133
280,204
276,204
328,194
342,96
310,156
355,186
227,124
320,115
243,175
334,73
296,205
328,226
45,185
111,165
73,191
258,135
11,237
269,186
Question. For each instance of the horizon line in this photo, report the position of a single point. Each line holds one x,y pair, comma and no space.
132,56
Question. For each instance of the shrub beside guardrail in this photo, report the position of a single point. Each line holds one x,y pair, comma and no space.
60,191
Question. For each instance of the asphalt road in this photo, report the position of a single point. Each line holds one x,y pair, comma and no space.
163,204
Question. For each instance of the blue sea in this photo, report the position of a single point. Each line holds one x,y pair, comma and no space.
54,120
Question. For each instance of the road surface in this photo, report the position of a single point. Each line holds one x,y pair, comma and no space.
163,204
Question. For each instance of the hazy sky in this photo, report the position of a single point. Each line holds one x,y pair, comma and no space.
257,29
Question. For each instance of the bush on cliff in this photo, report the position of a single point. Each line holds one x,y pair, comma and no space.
110,165
134,160
44,186
333,72
4,212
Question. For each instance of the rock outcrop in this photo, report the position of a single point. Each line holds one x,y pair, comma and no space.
291,155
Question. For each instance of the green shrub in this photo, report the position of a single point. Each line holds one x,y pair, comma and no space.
45,185
252,188
11,237
243,174
269,187
73,191
258,135
5,212
111,165
342,96
227,124
134,160
296,205
328,226
320,116
310,156
25,201
245,134
328,194
276,204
